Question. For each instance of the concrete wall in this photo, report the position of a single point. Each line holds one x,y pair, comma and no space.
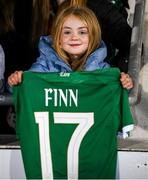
132,5
131,165
146,9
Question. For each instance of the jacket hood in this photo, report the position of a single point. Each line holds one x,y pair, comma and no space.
56,64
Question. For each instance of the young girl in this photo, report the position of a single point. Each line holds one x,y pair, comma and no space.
75,45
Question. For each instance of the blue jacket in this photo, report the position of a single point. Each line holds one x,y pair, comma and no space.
49,61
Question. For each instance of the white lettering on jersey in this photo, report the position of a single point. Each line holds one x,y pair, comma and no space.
61,97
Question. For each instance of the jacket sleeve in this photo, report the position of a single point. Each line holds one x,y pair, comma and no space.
40,65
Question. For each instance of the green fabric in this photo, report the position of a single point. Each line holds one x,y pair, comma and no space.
99,93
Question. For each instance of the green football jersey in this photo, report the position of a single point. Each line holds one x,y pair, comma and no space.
67,123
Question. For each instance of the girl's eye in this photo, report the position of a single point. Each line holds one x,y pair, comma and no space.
66,32
83,32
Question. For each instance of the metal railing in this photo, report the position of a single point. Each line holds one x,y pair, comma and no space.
136,50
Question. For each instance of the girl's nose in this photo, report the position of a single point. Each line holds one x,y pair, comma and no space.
74,36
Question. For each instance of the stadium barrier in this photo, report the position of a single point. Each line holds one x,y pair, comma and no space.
136,50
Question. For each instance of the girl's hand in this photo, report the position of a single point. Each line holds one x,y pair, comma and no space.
15,78
126,81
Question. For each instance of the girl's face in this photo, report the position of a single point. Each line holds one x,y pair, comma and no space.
74,36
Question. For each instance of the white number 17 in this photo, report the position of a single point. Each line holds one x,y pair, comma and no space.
84,121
